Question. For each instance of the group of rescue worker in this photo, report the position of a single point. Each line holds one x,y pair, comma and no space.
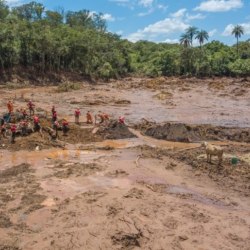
24,125
8,124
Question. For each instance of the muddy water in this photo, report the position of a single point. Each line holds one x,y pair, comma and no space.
198,105
41,158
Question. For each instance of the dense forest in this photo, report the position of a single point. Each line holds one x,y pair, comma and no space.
41,40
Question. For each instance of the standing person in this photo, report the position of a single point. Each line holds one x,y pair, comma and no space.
77,115
24,112
37,126
31,106
89,118
65,126
121,120
56,126
24,126
54,117
103,117
13,132
7,117
53,109
10,107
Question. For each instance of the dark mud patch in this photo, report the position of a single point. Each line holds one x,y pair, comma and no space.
31,199
100,101
77,169
5,221
8,247
126,240
117,173
135,193
115,130
14,172
180,132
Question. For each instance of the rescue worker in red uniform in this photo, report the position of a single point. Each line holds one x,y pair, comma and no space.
65,127
24,126
24,113
13,132
54,117
37,126
121,120
31,107
53,109
77,115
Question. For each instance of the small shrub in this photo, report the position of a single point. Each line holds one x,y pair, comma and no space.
68,86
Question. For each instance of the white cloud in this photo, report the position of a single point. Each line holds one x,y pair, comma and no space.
108,17
146,3
219,5
229,28
171,41
162,7
197,16
175,23
212,32
178,14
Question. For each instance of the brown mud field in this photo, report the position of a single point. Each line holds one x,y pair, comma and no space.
143,185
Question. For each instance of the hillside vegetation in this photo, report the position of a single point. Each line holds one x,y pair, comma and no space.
42,41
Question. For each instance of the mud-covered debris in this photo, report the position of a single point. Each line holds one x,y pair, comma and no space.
181,132
126,240
115,130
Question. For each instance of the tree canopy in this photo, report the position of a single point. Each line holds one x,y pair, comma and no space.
43,40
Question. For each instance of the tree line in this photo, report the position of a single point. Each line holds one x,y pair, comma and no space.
44,41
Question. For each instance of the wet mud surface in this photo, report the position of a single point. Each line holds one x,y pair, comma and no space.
146,186
181,132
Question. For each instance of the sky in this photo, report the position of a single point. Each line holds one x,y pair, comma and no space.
163,20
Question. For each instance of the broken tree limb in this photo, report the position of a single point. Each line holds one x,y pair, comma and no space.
137,160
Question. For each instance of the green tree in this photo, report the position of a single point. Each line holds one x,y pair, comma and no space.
240,67
191,32
238,31
4,10
202,36
31,11
185,40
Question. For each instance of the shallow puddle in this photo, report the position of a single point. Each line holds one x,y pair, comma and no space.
40,158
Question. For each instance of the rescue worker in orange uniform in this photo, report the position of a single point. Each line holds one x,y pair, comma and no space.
10,107
89,118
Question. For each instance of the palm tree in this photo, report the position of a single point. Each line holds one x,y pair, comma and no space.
191,32
185,40
202,36
237,31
